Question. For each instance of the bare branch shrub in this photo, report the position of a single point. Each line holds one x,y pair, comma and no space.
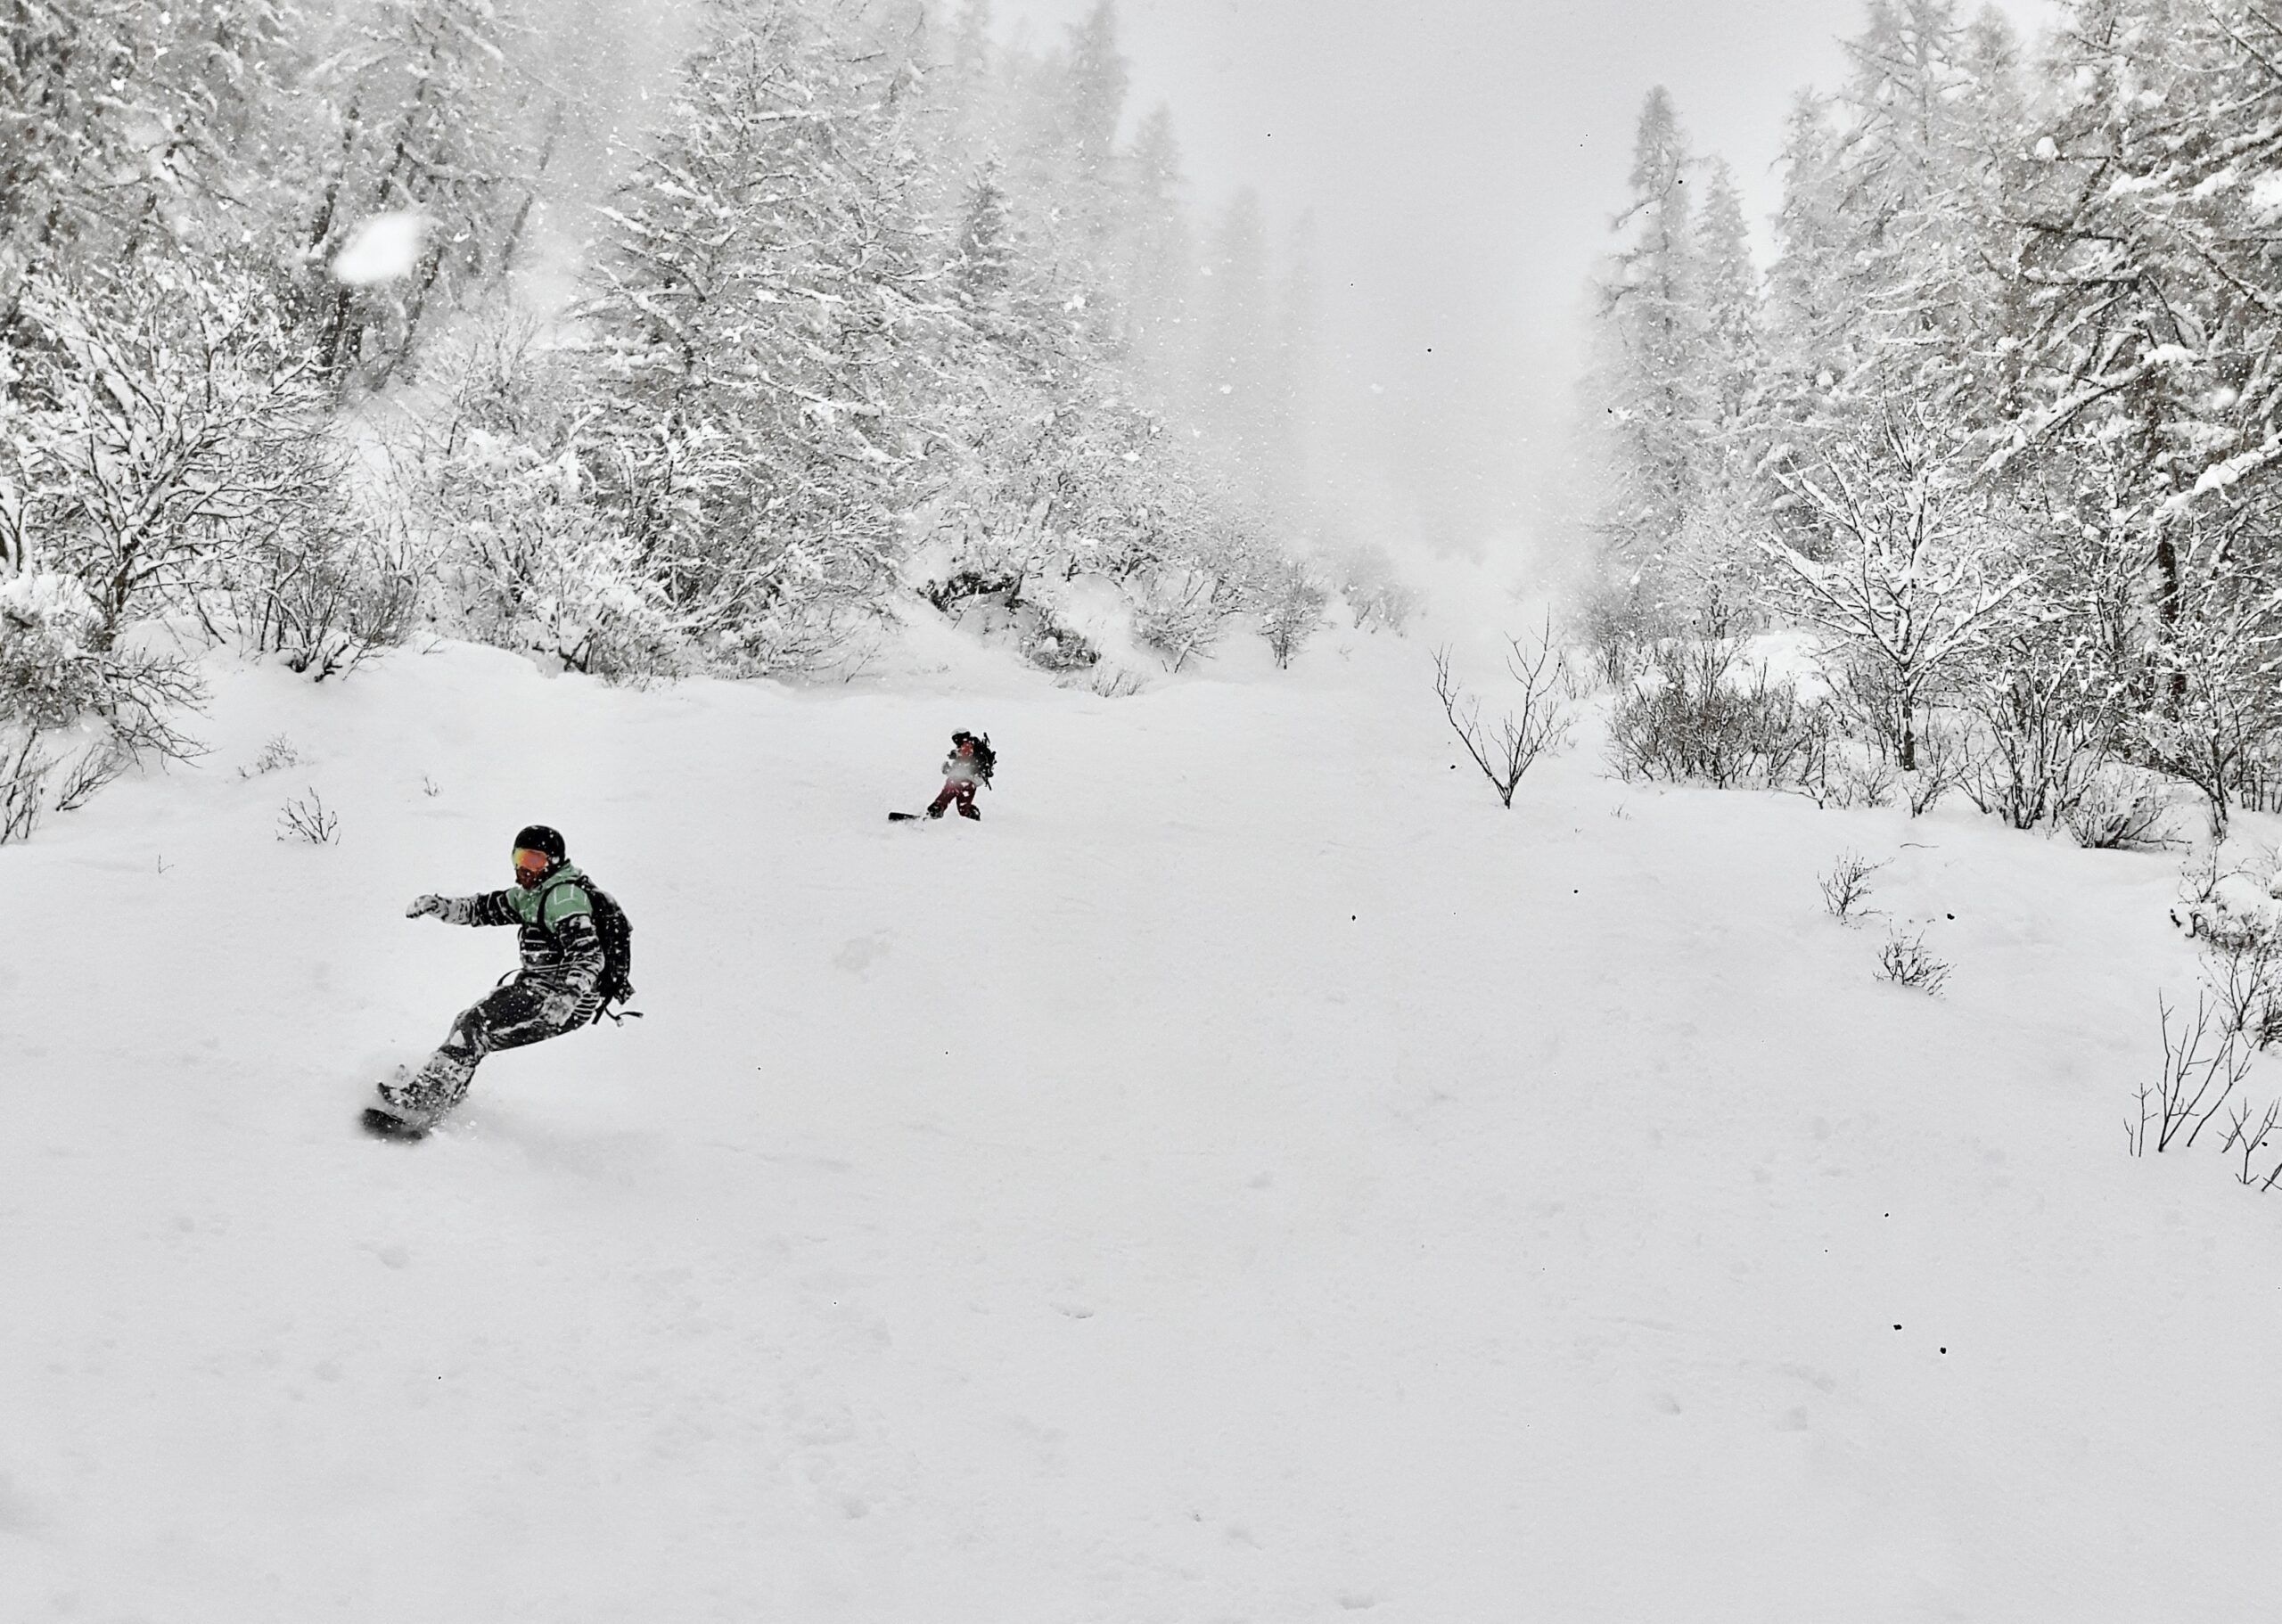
308,818
276,751
2194,1083
2044,730
1847,886
2243,965
2199,877
2222,715
1840,772
1944,761
2113,815
2245,1141
96,767
1905,962
1181,614
1688,720
1541,724
23,785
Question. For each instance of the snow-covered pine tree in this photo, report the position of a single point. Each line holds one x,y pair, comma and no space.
1648,373
757,301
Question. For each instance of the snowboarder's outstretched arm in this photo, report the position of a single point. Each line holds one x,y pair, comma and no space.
491,909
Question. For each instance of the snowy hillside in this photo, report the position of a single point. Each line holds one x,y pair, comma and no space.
1248,1176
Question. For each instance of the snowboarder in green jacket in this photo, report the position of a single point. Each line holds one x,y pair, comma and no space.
553,993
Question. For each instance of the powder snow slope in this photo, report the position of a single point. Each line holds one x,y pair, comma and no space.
1249,1176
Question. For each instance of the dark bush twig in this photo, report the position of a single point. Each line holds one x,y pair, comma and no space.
1846,887
1542,723
1905,962
308,819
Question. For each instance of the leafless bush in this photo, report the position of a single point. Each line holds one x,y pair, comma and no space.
308,818
2115,814
1182,614
96,765
276,751
2244,967
1541,724
1616,626
2042,739
1687,721
1944,761
325,603
1836,771
2194,1083
1905,962
2199,877
1113,682
23,785
2245,1141
1847,887
164,441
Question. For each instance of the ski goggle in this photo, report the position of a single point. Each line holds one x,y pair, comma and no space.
531,862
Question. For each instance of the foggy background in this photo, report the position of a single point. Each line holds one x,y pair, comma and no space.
1462,160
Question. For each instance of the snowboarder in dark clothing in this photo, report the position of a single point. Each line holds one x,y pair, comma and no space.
969,764
553,993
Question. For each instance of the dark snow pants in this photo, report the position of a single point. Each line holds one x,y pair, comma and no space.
507,1017
953,789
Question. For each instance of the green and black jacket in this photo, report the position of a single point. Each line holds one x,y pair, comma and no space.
556,934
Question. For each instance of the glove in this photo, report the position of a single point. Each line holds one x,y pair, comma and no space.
430,904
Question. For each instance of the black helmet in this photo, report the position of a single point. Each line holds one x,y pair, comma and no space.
539,837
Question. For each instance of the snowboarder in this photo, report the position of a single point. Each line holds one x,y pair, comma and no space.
555,992
970,763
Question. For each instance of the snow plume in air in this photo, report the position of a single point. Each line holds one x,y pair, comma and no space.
382,249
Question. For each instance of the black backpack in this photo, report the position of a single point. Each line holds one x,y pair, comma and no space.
615,985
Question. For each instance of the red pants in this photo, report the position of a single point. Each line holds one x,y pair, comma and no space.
955,790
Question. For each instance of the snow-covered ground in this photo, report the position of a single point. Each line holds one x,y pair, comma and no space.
1249,1176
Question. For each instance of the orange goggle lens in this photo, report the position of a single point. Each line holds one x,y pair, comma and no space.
530,862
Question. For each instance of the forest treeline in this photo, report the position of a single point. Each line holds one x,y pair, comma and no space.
2001,419
869,306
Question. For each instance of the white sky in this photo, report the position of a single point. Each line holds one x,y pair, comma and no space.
1462,159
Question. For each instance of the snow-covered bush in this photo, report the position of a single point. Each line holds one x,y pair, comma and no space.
51,672
1915,565
1695,717
2120,810
1374,592
2218,710
154,434
527,562
74,711
2043,730
498,485
1293,610
1181,612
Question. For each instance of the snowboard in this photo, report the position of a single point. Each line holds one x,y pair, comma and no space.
387,1125
904,817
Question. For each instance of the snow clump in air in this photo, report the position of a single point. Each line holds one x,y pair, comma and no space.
382,249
